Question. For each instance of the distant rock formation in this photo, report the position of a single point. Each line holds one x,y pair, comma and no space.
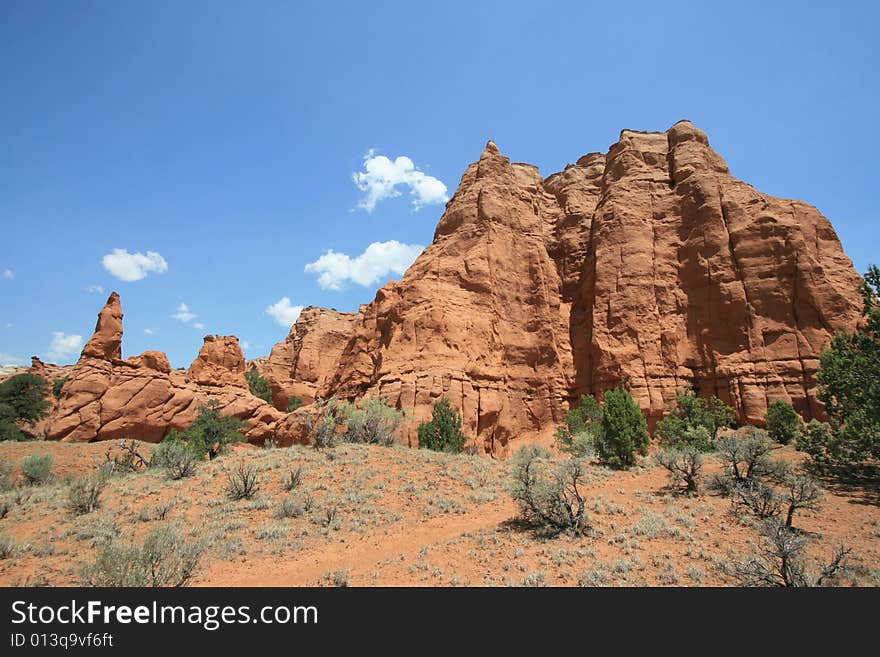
649,265
106,397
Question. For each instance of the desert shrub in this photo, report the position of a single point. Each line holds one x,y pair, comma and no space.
258,385
800,491
684,466
8,546
270,443
242,482
372,421
687,413
324,424
783,422
83,493
547,492
294,403
781,562
57,386
294,478
443,432
745,454
757,497
175,457
290,508
165,558
37,469
6,481
127,460
22,402
624,431
577,435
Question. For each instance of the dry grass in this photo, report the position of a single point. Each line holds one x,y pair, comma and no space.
363,515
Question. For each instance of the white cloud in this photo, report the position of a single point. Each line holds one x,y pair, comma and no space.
378,260
8,360
95,289
133,266
7,273
183,314
8,325
283,312
245,344
64,346
150,331
198,325
381,178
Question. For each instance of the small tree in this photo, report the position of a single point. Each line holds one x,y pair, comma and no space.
684,466
258,385
782,562
624,430
783,422
294,403
746,454
577,436
801,492
22,402
443,432
241,483
212,432
849,385
547,492
57,386
690,411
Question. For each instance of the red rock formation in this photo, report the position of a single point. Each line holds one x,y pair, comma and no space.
220,363
650,265
106,397
106,343
300,365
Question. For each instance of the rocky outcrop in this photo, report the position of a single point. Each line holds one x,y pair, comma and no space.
301,365
106,343
106,397
650,265
220,363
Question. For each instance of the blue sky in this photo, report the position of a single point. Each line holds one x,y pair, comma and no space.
224,136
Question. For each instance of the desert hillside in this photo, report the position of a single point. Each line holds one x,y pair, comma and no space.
377,516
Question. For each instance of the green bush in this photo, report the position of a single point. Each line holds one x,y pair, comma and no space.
165,558
57,385
577,436
22,402
258,385
37,469
294,403
443,432
849,385
212,432
6,481
783,422
83,493
818,440
548,492
686,414
176,458
372,422
624,430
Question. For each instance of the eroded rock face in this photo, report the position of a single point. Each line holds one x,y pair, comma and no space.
107,398
220,363
650,264
301,365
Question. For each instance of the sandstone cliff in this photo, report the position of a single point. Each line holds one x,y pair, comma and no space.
650,264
